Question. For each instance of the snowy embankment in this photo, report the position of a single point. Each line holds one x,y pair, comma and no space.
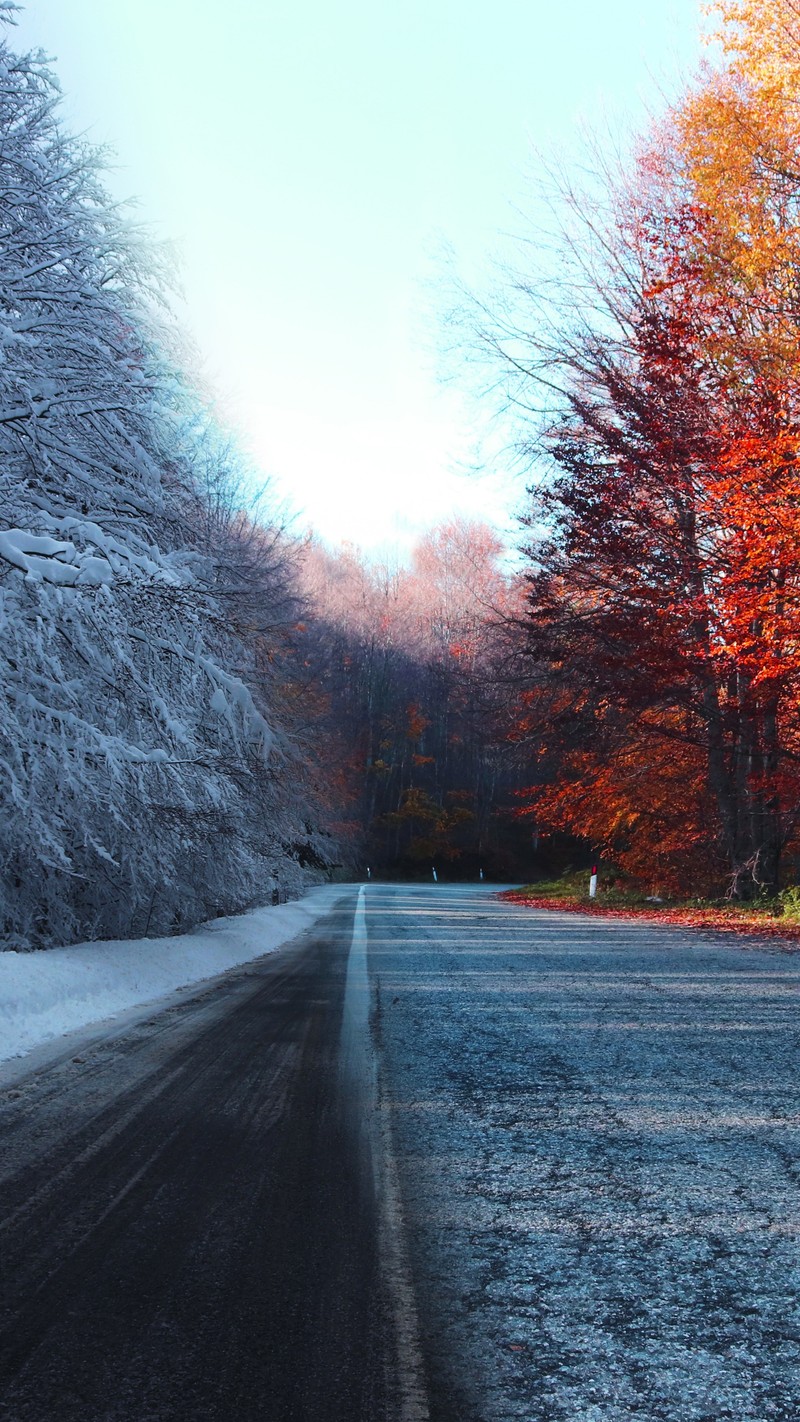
45,994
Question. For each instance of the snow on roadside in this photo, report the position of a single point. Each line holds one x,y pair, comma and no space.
45,994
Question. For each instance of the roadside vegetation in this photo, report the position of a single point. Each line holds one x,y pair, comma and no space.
776,916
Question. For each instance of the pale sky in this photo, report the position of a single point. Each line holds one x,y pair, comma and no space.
309,160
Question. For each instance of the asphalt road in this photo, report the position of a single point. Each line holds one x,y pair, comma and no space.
597,1133
188,1215
441,1159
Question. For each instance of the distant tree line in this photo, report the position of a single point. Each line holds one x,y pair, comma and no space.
406,663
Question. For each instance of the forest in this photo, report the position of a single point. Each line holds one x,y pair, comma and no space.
200,708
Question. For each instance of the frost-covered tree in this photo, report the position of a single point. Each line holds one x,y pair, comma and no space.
140,784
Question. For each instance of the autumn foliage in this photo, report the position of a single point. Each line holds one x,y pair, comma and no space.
660,704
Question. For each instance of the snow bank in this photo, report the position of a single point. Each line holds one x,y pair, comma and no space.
48,993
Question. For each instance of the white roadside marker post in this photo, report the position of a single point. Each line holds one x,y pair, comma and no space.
593,882
435,876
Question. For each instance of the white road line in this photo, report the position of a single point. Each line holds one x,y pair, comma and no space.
359,1055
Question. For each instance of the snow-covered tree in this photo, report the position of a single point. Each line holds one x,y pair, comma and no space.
140,780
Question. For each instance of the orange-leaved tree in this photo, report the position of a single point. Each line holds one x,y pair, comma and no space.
663,631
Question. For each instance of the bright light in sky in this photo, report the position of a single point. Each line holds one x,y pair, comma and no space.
308,159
